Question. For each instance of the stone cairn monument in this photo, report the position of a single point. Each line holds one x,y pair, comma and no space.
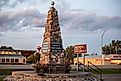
52,53
52,66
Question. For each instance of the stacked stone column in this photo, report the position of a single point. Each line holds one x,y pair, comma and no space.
52,48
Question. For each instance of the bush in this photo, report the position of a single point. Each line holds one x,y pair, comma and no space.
1,79
5,72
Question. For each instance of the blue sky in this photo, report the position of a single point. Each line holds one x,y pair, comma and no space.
81,21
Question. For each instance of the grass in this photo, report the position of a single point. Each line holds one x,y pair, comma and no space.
111,71
104,70
108,71
1,79
4,73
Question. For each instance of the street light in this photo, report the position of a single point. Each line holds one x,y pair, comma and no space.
102,59
102,36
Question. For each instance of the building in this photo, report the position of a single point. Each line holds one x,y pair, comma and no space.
113,58
110,59
8,55
12,59
95,59
26,53
10,50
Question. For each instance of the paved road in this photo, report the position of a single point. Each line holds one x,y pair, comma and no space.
110,66
112,77
107,77
16,67
103,66
29,66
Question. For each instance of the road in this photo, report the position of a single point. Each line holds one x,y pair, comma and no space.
24,67
29,66
107,77
112,77
110,66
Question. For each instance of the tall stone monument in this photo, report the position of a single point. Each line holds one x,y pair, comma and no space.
52,48
52,66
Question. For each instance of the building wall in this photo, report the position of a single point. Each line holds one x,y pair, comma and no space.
118,61
96,61
106,60
7,52
114,58
12,60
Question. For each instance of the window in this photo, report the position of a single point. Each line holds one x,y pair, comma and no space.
16,60
115,56
23,60
7,60
0,60
119,56
12,60
3,60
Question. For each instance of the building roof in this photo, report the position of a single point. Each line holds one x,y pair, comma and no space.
92,56
11,55
6,48
25,53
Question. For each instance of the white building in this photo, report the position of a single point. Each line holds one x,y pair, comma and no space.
10,56
12,59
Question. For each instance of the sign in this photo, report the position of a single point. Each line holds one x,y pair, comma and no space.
82,48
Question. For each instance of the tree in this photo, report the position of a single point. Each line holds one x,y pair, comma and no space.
34,58
69,51
113,48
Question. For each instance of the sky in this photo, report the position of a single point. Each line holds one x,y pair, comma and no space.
81,21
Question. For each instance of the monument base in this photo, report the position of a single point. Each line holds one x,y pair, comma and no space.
32,76
52,68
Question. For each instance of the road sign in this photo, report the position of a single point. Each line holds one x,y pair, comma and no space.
82,48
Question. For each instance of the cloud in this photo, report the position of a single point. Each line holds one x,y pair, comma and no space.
17,20
14,3
88,21
83,20
71,20
10,3
1,33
